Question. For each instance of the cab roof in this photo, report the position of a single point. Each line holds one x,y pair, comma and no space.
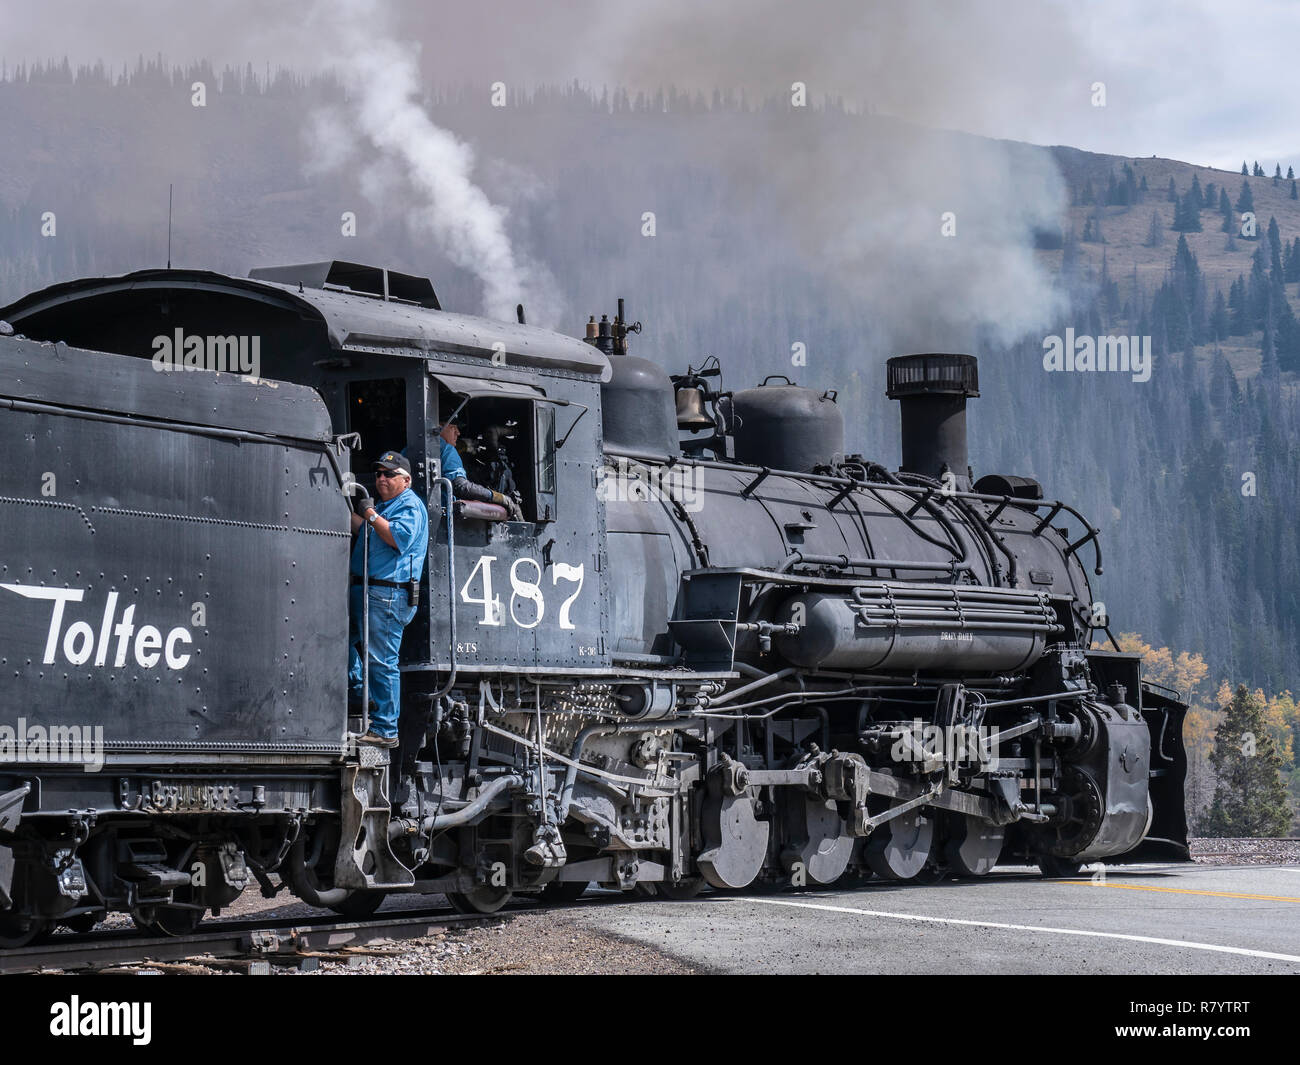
353,318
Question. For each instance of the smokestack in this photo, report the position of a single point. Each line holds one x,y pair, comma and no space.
932,391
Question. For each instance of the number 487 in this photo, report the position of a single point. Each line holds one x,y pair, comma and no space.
527,603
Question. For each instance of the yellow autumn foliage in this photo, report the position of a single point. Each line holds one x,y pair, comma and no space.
1187,674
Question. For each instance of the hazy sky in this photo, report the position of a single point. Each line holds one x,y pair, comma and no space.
1206,81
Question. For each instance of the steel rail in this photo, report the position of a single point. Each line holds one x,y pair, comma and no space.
267,938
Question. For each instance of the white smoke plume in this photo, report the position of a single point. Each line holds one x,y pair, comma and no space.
383,127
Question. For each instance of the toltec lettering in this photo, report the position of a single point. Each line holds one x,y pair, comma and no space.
109,643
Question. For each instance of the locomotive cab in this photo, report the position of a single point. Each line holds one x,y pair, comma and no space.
390,365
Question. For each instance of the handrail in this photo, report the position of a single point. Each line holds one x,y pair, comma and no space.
957,545
798,558
979,497
449,510
365,627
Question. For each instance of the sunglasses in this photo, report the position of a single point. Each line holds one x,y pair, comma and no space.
389,473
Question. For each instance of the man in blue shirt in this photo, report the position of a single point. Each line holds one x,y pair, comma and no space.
399,541
463,488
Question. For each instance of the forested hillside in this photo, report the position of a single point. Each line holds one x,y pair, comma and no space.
1192,475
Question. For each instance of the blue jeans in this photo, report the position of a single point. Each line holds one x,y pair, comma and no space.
390,613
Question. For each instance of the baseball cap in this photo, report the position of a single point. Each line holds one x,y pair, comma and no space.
393,460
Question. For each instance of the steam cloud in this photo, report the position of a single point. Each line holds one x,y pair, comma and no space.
869,210
865,208
402,153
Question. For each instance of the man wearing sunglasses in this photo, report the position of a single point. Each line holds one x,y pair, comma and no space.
399,541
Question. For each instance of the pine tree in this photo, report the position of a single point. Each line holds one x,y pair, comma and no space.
1108,291
1293,192
1268,367
1277,175
1258,290
1070,256
1187,217
1154,233
1258,171
1186,269
1249,797
1173,191
1197,197
1225,209
1246,201
1238,314
1244,171
1288,337
1290,173
1142,188
1219,323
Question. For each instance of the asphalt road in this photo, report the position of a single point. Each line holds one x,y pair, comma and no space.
1165,919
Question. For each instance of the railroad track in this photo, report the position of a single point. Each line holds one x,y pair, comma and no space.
264,939
283,938
268,939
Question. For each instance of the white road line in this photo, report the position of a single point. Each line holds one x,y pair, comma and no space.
1216,948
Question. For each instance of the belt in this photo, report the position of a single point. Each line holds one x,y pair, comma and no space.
412,587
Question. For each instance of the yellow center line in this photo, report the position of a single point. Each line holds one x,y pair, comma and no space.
1182,891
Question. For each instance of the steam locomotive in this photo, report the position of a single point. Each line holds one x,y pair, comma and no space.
716,651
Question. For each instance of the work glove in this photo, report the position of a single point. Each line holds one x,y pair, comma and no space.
361,502
512,508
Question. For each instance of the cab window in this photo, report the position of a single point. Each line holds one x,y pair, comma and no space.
508,444
545,464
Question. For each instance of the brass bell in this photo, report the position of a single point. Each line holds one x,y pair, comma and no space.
690,409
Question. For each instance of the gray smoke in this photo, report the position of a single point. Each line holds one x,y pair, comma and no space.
864,208
870,210
404,157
